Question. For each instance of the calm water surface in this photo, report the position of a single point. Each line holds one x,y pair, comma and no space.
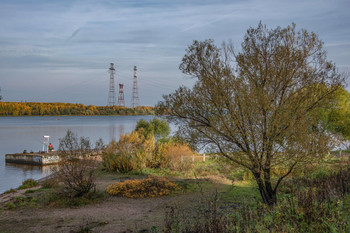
26,133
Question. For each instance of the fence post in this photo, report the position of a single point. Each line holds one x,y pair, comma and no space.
203,157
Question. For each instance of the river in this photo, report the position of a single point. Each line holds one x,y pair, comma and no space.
26,133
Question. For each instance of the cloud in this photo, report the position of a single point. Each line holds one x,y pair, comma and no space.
74,33
65,36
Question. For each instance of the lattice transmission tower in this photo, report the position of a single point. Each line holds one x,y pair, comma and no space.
121,101
135,90
0,94
111,94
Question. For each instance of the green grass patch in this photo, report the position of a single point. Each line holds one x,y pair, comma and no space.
10,206
10,191
21,201
55,198
30,191
195,185
156,172
241,192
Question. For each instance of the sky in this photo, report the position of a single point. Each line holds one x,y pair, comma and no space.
60,50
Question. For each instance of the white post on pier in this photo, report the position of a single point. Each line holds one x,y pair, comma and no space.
46,141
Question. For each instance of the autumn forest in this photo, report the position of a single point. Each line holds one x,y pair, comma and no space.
57,109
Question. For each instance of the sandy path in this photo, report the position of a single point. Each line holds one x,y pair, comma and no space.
116,214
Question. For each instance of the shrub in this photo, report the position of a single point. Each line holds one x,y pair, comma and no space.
118,162
150,187
77,177
76,169
133,152
159,128
114,160
176,156
29,183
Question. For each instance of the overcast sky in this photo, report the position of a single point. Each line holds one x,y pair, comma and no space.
60,50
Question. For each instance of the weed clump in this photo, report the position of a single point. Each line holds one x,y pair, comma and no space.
29,183
150,187
10,191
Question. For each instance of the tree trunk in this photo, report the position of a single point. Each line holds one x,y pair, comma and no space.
267,194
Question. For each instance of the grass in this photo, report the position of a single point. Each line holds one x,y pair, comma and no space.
241,193
319,203
53,197
10,191
30,191
49,194
29,183
227,191
21,201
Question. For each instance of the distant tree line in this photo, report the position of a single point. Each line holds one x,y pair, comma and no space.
58,109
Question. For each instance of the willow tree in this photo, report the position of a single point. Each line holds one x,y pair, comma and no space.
255,105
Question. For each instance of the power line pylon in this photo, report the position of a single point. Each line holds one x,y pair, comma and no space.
135,90
0,94
111,94
121,101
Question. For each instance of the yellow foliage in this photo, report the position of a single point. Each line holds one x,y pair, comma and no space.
113,160
150,187
133,151
137,148
56,109
176,156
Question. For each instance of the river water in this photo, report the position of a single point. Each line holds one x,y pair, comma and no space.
26,133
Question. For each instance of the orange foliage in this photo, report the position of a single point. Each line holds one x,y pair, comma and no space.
176,156
57,109
151,187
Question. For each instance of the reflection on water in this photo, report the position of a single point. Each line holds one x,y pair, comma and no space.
26,133
121,129
113,133
29,170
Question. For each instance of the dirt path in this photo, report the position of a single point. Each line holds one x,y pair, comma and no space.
116,214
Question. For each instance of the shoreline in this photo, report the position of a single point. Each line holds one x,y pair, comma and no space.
40,181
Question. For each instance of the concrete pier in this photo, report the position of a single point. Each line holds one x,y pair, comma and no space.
33,158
